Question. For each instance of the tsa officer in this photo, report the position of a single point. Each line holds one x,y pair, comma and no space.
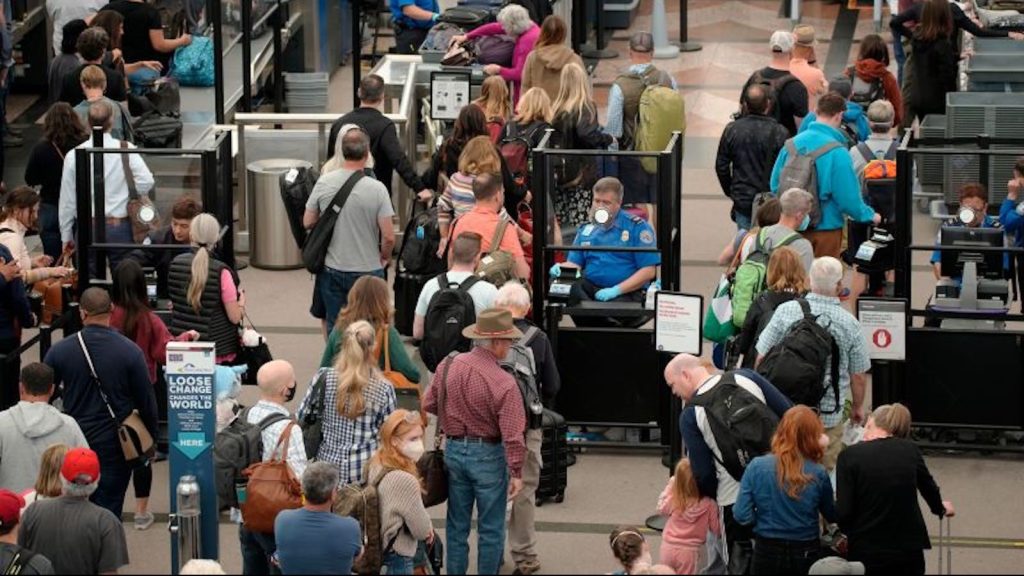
611,276
412,19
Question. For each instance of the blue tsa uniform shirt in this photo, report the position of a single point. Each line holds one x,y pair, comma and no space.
401,19
607,269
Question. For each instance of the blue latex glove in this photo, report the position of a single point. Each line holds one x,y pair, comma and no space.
606,294
555,271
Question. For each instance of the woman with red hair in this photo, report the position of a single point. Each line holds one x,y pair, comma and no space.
404,521
782,494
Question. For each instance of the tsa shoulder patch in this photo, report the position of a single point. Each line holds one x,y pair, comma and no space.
646,237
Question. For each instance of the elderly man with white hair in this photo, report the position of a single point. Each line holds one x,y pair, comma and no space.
522,535
75,535
826,280
513,20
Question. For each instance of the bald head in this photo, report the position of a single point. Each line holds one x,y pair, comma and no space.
685,373
756,100
276,381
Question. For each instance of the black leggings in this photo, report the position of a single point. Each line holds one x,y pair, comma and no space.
142,479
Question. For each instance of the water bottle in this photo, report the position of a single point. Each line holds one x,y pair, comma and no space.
420,233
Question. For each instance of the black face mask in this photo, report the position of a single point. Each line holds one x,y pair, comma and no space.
289,393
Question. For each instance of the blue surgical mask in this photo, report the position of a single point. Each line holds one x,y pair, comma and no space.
804,223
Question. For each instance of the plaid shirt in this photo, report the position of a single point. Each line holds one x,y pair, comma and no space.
484,401
853,354
349,443
296,448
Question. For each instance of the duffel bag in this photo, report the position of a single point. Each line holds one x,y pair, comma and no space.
467,17
495,50
193,64
154,130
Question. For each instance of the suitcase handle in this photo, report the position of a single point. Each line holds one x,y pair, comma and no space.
945,546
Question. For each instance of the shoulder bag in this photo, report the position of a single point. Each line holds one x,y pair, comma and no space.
136,441
253,356
431,466
404,389
312,422
498,266
272,488
314,251
141,211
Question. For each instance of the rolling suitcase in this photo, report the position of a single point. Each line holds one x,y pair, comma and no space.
945,547
554,453
407,291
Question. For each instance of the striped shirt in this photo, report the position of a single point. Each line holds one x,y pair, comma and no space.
349,443
483,401
844,328
457,198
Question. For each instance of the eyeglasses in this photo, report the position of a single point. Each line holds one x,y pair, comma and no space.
412,417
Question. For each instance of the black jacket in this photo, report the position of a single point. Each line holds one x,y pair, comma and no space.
160,260
758,317
936,65
387,152
877,484
746,155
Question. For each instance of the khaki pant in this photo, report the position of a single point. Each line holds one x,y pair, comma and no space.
522,537
835,446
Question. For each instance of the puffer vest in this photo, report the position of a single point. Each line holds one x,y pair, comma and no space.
211,320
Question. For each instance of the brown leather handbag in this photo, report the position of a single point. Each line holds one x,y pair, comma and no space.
409,395
142,211
272,488
51,290
431,466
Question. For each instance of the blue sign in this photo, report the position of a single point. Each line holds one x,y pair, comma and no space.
192,425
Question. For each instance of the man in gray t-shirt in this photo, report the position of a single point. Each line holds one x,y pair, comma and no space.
77,536
364,234
796,210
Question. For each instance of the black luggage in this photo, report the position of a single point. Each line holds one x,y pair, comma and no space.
407,291
467,17
554,453
154,130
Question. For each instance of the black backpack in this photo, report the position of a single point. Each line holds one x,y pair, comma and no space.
774,88
420,242
234,449
314,251
450,310
797,365
741,423
296,187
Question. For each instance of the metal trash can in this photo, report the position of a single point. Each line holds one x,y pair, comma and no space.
271,244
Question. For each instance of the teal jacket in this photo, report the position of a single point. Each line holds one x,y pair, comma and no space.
838,188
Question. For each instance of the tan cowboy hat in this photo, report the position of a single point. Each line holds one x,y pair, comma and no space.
493,324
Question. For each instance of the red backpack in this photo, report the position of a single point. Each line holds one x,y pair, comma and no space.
515,150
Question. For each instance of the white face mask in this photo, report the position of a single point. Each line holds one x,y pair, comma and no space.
413,450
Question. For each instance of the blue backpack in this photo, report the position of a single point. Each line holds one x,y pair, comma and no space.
193,64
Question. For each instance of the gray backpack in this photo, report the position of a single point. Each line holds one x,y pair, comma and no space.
801,171
521,364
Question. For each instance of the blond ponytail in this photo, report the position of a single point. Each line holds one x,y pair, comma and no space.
204,233
354,368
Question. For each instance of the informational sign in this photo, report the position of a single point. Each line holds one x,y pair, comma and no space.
192,424
449,92
884,325
677,322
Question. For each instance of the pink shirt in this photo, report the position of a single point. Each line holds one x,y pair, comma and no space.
691,526
812,78
524,45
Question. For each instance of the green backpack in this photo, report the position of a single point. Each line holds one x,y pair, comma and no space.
662,112
751,277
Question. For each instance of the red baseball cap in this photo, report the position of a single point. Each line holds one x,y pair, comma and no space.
10,508
81,466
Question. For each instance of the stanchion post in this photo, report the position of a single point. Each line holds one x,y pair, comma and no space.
246,103
213,10
357,52
684,43
277,22
599,50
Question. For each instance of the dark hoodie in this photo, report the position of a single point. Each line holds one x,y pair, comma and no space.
544,68
869,70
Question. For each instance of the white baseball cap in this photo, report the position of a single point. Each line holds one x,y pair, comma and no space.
836,565
782,41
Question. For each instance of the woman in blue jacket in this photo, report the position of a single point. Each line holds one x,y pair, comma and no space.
782,494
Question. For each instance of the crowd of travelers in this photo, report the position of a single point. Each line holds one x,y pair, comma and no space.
783,456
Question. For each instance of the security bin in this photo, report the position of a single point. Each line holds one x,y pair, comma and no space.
271,244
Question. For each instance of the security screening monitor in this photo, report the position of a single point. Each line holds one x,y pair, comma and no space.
982,286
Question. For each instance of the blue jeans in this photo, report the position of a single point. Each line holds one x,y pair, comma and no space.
901,58
397,564
142,80
743,222
257,549
49,231
115,475
334,286
477,473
